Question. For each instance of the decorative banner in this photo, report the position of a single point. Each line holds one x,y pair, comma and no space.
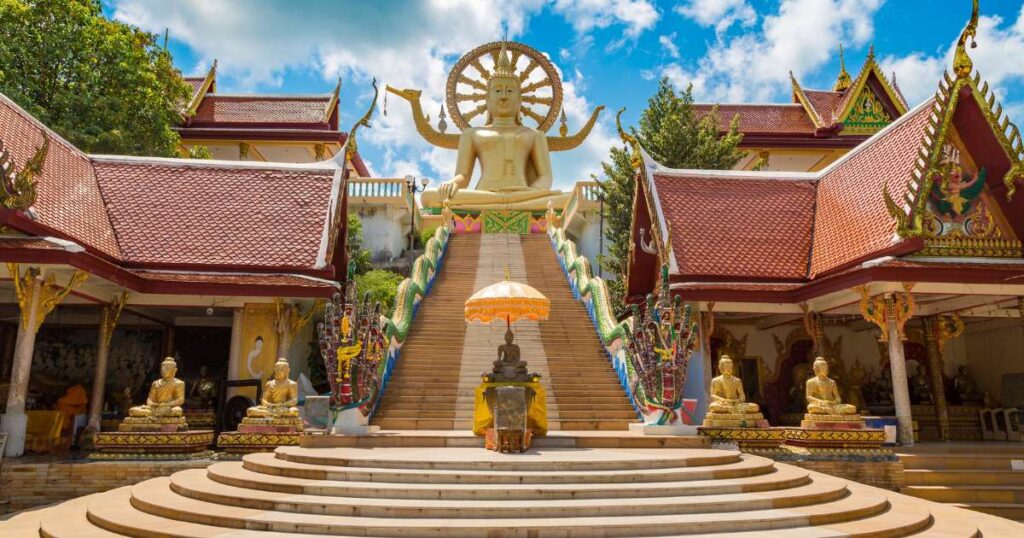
259,340
496,222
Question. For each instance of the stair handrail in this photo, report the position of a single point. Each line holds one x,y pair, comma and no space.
360,346
649,350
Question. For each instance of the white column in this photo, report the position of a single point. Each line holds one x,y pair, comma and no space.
900,391
235,351
14,421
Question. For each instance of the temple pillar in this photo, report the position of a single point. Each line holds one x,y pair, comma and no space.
111,312
900,389
890,313
37,296
935,367
235,350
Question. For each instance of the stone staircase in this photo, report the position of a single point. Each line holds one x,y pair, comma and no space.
441,362
978,476
471,492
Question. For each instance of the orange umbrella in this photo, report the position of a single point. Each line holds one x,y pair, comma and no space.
507,300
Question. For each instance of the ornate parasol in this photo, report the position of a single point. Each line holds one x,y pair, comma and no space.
508,300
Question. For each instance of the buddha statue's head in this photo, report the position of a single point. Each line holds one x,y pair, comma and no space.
725,366
821,367
168,368
281,369
504,93
509,336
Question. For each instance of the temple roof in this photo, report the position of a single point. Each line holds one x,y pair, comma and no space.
730,226
177,215
815,117
312,111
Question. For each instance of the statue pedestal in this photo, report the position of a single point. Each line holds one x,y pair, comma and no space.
143,443
833,422
258,434
153,424
271,425
737,420
352,421
201,418
746,437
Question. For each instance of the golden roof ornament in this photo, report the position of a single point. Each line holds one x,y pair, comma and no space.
503,67
962,63
18,189
844,81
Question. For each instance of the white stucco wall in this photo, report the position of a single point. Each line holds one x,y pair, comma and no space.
384,230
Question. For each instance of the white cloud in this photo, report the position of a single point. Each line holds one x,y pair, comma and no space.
718,13
999,58
637,16
668,43
753,66
404,44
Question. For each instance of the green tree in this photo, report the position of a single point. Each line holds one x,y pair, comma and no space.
357,255
105,86
382,285
674,136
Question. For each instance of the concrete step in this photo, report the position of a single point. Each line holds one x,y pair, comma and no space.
950,477
950,461
968,494
1012,511
157,498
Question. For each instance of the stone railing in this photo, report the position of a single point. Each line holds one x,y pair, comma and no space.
585,196
392,191
649,352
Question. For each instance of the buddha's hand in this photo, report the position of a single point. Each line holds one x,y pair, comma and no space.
448,189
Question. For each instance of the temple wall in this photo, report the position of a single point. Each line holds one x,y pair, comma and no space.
992,350
384,231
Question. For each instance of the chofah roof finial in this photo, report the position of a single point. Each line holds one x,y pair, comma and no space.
962,63
845,80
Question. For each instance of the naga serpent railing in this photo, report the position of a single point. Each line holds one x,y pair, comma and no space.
360,346
649,350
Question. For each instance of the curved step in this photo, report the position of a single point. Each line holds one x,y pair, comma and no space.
543,459
195,484
267,463
233,474
115,514
155,497
72,519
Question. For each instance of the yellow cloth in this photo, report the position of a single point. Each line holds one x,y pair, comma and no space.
43,430
536,415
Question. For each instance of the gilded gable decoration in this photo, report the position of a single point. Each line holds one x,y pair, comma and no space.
947,202
18,188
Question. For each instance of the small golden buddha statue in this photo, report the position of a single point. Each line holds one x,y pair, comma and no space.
515,164
278,403
729,406
824,403
162,410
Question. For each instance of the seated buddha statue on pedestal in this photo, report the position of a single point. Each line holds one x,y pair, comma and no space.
515,164
277,410
824,404
509,366
729,406
162,410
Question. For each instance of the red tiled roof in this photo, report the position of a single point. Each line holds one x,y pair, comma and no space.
69,199
738,226
254,109
197,86
762,119
176,213
852,220
169,213
825,104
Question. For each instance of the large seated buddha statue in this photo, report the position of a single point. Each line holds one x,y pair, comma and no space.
162,410
729,406
515,165
514,159
824,403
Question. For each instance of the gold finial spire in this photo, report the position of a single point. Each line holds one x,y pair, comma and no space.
503,65
844,81
962,63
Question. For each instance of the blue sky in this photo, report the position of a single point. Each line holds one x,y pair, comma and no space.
610,52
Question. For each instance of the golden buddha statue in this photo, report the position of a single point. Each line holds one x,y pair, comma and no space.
515,165
729,406
278,403
162,410
824,404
